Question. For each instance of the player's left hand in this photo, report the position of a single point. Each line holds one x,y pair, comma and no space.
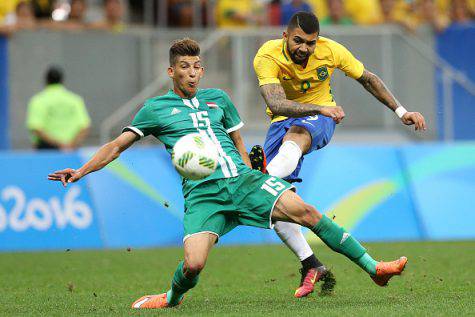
416,119
65,176
336,113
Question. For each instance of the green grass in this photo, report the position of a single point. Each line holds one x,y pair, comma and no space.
245,280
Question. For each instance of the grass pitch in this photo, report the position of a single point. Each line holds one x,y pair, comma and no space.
244,280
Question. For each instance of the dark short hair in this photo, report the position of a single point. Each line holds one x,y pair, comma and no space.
183,47
307,21
54,75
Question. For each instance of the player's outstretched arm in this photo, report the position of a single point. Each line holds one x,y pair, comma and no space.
106,154
275,98
377,88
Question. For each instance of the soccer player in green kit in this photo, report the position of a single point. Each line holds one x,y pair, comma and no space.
234,194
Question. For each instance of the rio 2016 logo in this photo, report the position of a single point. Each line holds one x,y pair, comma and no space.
41,215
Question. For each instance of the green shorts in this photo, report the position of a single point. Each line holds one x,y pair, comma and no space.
218,206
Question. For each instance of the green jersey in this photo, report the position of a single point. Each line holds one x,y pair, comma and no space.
210,112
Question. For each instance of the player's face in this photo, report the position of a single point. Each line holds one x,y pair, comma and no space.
186,74
300,44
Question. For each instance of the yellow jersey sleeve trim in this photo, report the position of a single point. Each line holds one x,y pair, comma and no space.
284,51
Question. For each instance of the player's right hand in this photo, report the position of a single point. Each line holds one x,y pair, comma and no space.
65,176
416,119
336,113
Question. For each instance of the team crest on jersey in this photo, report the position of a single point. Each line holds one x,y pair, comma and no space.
322,73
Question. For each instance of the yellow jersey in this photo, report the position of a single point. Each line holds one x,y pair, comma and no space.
365,12
320,8
224,9
7,7
311,84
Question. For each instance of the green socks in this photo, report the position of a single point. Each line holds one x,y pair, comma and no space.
180,285
342,242
367,263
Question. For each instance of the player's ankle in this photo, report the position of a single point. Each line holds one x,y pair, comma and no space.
310,262
172,299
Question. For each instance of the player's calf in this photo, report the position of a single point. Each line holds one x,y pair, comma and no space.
290,207
197,247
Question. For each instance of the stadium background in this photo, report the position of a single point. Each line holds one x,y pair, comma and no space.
378,178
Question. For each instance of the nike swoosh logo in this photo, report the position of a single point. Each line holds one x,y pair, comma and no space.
314,278
287,78
140,303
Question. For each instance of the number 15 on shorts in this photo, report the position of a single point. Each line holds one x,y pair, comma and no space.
272,186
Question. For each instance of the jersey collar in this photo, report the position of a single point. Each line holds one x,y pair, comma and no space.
284,51
192,103
55,86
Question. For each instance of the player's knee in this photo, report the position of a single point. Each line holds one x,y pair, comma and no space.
310,216
193,267
286,161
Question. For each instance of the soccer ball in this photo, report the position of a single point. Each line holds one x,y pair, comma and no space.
195,156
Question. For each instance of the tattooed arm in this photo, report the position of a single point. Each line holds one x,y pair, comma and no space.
378,89
275,98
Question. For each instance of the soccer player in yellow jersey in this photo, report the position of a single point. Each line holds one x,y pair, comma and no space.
294,77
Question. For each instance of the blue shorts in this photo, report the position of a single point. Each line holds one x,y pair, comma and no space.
320,128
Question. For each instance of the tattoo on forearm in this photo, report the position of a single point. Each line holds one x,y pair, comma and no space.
377,88
278,103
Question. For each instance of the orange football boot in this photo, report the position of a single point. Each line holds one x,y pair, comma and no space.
152,301
386,270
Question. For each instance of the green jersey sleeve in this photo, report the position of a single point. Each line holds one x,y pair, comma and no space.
231,120
143,123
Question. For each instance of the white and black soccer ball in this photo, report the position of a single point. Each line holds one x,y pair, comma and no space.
195,156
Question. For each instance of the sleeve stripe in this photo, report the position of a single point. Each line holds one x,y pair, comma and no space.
236,127
134,130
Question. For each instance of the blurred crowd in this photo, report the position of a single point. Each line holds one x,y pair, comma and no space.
112,14
18,15
408,13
